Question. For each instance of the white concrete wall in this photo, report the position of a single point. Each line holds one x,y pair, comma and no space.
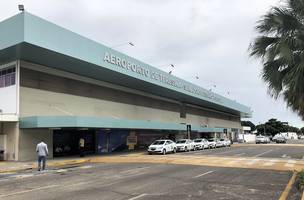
8,99
249,138
11,132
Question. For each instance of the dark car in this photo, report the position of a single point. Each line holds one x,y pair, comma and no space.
280,140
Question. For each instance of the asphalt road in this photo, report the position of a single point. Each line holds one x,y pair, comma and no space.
273,151
145,181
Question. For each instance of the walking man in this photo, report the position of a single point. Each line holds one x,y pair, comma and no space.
81,146
42,152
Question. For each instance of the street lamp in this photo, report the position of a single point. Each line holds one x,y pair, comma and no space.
21,7
126,43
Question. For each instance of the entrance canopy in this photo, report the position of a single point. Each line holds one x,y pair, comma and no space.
30,38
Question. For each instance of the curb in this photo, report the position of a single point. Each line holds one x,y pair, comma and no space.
51,164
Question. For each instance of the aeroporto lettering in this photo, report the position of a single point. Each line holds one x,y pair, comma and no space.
130,66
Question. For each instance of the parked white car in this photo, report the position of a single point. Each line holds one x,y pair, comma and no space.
212,143
162,147
200,143
184,145
225,142
262,139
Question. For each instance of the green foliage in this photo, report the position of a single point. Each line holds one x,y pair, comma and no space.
273,126
280,46
301,177
302,130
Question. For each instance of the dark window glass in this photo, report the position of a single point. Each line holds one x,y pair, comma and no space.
7,77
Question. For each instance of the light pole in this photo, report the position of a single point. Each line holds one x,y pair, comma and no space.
21,7
122,44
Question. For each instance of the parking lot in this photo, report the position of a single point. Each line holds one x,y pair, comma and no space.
268,151
146,181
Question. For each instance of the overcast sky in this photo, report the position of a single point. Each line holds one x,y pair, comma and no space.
204,38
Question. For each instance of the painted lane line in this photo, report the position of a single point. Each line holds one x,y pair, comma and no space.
263,153
139,196
200,175
252,162
27,191
270,163
239,154
134,170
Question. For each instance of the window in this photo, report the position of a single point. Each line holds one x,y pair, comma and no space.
7,77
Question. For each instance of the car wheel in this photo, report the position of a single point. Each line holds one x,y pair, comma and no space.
164,151
174,150
186,149
150,153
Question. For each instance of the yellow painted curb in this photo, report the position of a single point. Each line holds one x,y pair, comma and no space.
288,187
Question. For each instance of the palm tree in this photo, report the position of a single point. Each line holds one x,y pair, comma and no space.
280,45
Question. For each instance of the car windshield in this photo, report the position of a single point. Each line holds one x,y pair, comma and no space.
211,140
181,142
158,142
197,140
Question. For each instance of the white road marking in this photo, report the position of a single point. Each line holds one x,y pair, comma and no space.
26,191
200,175
61,170
252,162
263,153
85,167
134,170
239,154
290,163
235,150
270,163
139,196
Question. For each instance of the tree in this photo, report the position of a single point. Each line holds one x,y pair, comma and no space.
273,126
280,45
248,123
302,130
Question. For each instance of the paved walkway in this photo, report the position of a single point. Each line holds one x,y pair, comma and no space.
216,161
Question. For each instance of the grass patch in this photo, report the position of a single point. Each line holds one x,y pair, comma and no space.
301,178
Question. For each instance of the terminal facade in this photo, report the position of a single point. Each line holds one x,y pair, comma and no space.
58,86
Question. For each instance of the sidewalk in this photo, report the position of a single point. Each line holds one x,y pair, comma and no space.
15,166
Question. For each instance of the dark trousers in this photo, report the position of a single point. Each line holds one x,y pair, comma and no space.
82,152
41,159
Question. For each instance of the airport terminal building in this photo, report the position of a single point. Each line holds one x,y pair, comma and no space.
58,86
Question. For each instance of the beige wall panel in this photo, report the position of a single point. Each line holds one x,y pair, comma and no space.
44,103
29,138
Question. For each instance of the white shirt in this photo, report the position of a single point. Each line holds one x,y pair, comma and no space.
42,149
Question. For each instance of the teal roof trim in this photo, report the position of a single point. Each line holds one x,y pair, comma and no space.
96,122
33,32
